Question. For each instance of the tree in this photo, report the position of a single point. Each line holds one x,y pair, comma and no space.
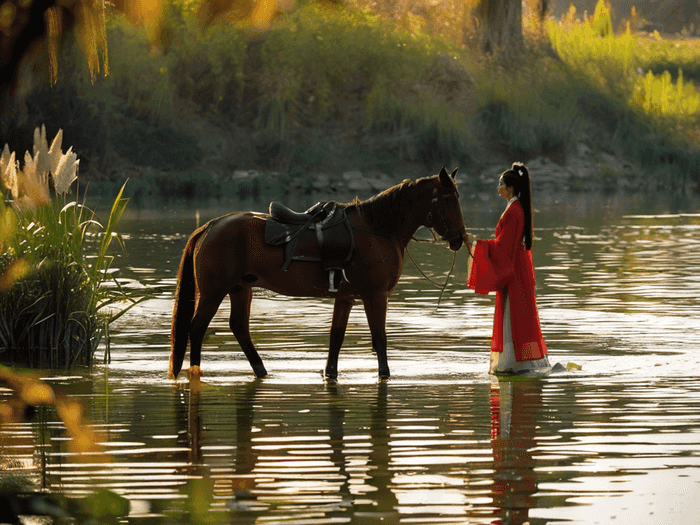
29,28
499,24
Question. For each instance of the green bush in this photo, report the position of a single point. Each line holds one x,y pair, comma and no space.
363,63
633,87
55,263
156,146
328,87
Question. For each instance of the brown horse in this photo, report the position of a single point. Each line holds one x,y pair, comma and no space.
228,256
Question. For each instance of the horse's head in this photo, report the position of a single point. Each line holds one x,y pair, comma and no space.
445,215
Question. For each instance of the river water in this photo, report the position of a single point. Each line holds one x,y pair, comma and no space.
616,441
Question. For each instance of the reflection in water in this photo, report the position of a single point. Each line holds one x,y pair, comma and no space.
514,410
580,447
382,506
618,441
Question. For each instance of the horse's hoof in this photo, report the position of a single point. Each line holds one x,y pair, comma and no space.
194,371
259,371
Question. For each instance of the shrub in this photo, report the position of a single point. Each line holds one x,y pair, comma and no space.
53,295
393,78
635,87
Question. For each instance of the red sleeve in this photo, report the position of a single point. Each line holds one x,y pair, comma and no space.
492,267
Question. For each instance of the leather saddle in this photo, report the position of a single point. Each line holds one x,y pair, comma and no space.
322,233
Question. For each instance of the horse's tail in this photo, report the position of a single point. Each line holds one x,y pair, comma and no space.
183,309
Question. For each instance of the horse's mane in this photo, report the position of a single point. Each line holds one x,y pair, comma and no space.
387,211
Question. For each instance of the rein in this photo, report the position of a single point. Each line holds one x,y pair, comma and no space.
449,273
435,213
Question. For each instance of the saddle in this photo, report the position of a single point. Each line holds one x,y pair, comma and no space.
322,233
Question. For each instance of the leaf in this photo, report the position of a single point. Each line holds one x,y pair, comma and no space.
105,503
573,366
17,269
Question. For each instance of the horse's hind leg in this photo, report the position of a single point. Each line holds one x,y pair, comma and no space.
206,308
341,314
240,326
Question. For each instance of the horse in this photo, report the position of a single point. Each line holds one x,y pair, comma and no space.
228,256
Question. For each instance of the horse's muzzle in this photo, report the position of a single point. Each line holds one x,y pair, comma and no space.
455,244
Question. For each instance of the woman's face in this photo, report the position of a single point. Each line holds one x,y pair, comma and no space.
505,191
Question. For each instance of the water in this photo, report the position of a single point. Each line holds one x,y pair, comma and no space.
617,441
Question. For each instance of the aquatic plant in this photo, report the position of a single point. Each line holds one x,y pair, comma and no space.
55,262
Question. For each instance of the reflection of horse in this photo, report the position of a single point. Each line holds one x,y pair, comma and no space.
228,256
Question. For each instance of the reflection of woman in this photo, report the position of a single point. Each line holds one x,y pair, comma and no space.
514,411
504,265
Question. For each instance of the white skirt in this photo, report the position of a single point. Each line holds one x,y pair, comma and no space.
504,362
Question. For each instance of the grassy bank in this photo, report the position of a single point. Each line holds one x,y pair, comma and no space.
329,88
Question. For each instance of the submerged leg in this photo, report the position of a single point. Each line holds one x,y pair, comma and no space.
206,308
240,326
375,308
341,314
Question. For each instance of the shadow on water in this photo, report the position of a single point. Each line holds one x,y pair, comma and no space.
441,442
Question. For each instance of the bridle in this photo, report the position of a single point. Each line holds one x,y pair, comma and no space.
437,221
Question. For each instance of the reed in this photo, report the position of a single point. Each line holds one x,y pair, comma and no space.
55,262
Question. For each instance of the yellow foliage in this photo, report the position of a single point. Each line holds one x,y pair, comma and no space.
17,269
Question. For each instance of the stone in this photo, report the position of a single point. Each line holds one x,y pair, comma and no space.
245,174
352,175
359,185
321,182
379,184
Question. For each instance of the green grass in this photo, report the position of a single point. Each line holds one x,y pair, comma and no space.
54,312
636,90
327,80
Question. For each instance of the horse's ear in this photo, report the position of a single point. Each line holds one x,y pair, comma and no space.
447,180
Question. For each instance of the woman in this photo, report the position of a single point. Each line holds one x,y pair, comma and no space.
504,265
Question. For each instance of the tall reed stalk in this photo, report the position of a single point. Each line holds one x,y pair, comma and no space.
55,262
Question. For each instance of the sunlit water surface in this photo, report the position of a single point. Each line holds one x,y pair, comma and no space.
617,441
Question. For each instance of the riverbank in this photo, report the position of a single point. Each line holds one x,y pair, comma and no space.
231,114
587,171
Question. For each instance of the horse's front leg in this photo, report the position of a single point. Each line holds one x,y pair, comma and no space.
341,314
375,309
239,322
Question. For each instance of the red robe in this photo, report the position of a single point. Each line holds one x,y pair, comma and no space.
504,265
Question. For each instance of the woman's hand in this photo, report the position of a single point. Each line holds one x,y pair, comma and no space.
469,238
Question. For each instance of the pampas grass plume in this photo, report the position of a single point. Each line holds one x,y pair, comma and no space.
65,172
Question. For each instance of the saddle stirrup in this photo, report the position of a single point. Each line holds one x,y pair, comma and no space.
331,281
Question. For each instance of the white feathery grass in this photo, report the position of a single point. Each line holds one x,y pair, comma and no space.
34,182
8,172
10,178
4,158
55,152
65,172
41,151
